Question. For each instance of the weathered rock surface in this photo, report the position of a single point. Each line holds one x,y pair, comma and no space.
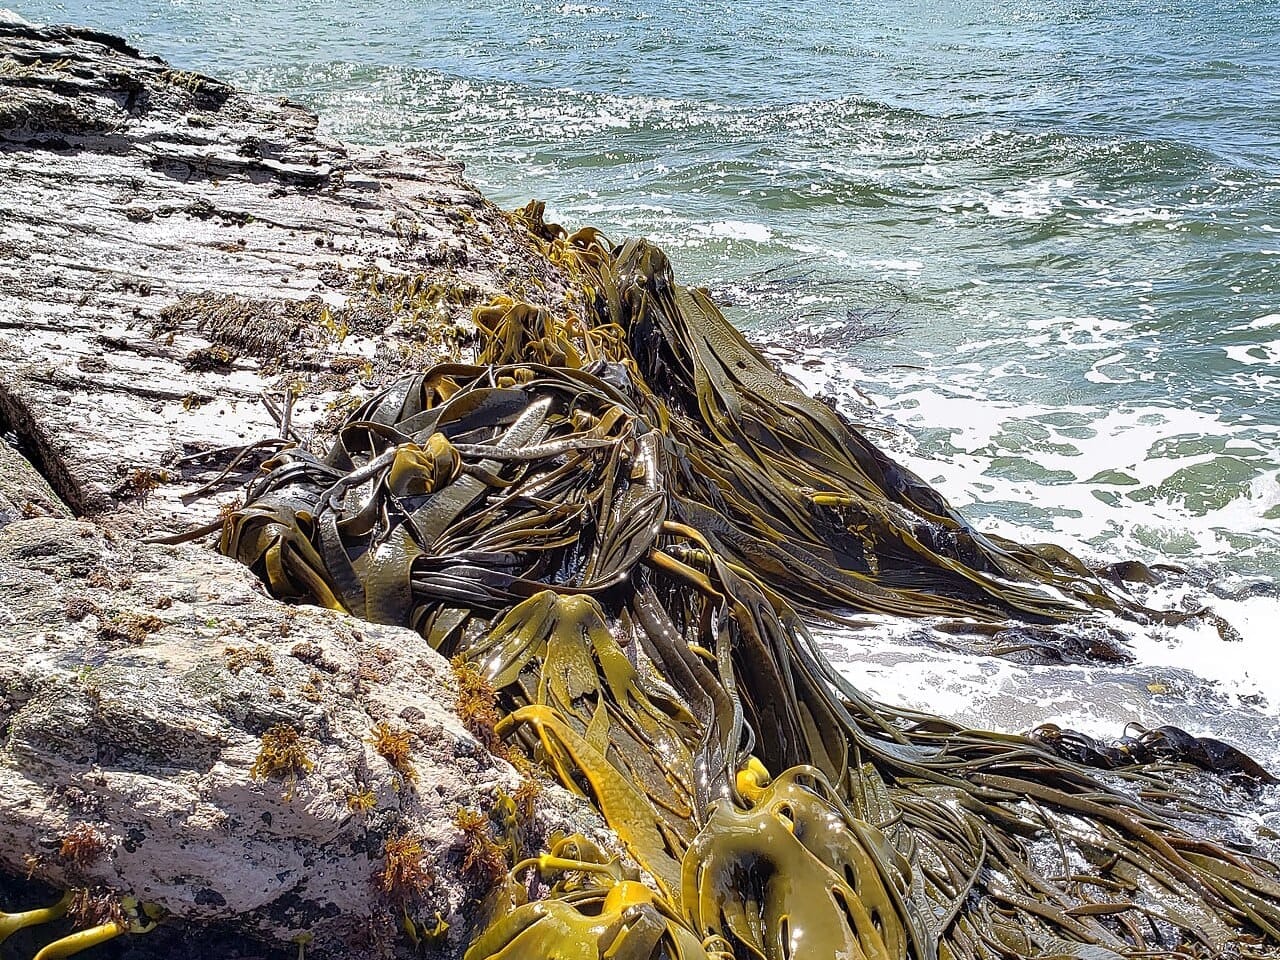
136,685
175,255
185,269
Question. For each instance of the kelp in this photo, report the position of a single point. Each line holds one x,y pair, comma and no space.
99,919
623,516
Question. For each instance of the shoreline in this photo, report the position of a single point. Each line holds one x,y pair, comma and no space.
140,382
189,269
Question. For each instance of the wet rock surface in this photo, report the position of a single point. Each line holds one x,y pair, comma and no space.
186,269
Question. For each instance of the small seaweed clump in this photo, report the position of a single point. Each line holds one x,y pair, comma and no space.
93,908
82,846
395,747
405,875
482,856
129,628
282,756
477,705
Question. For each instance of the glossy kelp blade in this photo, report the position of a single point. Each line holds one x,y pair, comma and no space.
619,517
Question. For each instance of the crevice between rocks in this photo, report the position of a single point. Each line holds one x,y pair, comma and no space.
18,423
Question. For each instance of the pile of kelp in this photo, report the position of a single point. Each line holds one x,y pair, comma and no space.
622,516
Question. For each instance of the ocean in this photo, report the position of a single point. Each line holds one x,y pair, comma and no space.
1035,245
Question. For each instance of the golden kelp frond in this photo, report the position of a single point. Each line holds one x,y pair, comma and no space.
596,909
616,524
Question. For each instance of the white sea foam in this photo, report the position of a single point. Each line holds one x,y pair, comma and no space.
1109,484
695,234
1255,353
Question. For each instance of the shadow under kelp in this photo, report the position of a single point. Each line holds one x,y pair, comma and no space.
622,517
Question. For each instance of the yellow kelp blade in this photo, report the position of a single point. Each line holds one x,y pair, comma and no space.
572,663
748,878
625,924
11,923
134,918
593,911
625,808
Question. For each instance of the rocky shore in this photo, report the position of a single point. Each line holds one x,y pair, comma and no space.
186,269
621,514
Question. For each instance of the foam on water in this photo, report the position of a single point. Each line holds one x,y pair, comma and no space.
1069,474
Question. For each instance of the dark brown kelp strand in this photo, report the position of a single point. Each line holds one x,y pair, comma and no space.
620,516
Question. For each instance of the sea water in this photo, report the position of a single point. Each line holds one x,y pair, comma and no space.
1035,246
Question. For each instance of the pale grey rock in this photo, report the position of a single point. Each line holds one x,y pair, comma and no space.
172,250
186,269
136,683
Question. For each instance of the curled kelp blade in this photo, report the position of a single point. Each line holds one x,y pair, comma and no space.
466,487
595,909
620,517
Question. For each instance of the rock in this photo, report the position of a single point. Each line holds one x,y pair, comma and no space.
138,685
176,255
23,492
186,269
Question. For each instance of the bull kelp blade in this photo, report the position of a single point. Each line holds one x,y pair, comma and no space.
622,517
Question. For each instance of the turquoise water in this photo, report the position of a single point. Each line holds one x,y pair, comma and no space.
1043,238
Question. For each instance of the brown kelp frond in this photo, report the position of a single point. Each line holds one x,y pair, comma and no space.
1166,743
615,524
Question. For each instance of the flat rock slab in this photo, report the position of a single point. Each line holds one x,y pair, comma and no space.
186,269
173,250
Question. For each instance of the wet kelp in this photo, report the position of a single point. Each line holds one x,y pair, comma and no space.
622,516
